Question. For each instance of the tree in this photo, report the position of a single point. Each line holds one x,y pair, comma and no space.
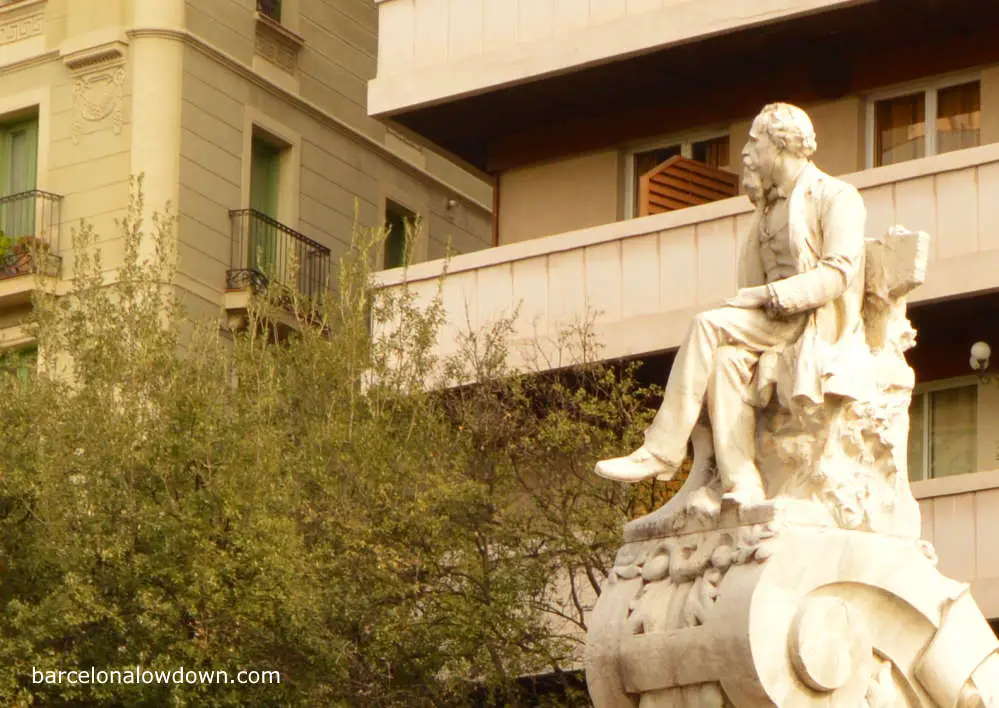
317,501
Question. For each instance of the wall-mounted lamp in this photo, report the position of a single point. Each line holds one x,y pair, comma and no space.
981,352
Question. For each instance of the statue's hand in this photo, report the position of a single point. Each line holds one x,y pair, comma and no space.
750,298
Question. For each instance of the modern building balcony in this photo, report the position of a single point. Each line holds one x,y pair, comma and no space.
960,517
265,252
430,50
29,245
640,281
506,83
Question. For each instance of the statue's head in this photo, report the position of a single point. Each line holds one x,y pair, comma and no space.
781,136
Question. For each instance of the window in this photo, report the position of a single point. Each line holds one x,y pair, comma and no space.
18,175
270,8
399,222
713,152
20,363
265,180
900,130
959,117
943,431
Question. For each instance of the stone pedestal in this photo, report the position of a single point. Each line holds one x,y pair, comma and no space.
760,607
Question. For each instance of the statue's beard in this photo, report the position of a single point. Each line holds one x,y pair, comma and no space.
752,182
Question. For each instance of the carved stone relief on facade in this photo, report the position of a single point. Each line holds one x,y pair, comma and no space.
21,28
277,45
98,86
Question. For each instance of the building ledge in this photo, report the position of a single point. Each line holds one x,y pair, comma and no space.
17,290
958,484
436,52
277,44
737,206
638,283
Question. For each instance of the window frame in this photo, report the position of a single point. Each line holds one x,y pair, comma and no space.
932,387
257,124
686,142
280,11
930,88
405,205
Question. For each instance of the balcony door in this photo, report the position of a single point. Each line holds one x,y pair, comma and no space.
18,176
264,187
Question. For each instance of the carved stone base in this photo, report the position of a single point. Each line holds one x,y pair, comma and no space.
759,608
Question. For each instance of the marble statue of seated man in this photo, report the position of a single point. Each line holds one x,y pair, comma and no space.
801,290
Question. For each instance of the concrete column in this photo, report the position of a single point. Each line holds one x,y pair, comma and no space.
157,58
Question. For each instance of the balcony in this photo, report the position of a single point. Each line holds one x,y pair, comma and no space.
504,84
641,281
266,251
29,246
959,517
432,50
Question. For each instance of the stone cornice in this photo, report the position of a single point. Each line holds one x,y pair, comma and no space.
247,73
37,60
96,56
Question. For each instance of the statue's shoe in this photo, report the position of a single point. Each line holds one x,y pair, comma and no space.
745,495
638,466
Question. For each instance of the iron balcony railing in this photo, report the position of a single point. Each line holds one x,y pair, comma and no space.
29,224
264,250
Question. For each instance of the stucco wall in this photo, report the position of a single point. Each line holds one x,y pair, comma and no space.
192,86
561,196
337,59
333,172
86,161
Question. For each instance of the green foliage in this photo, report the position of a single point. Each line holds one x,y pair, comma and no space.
315,500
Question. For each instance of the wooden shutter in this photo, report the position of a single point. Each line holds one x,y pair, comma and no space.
265,166
18,175
681,182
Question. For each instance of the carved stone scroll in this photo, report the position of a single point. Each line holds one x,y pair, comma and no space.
98,87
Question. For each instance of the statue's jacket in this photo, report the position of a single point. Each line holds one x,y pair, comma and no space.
826,222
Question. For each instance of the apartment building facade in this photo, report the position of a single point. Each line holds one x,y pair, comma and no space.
613,130
247,117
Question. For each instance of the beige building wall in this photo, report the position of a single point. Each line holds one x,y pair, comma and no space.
577,190
306,86
175,88
81,97
333,175
337,56
556,197
988,426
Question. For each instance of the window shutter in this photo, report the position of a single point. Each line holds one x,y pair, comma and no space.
681,182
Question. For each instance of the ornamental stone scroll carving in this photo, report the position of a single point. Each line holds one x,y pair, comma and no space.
277,44
99,86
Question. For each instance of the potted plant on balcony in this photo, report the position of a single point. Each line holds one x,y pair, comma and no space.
7,256
18,255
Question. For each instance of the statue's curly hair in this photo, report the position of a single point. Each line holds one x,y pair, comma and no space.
789,128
